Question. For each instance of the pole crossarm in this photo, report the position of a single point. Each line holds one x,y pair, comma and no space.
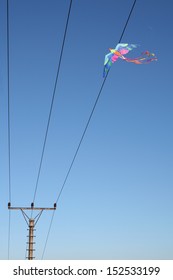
31,222
31,207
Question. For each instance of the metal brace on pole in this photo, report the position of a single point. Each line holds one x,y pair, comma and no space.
31,222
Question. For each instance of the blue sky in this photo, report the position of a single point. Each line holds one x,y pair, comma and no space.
117,202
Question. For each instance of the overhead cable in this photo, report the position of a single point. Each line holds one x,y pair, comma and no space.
9,126
91,114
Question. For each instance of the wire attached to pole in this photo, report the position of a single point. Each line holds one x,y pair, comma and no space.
9,126
52,102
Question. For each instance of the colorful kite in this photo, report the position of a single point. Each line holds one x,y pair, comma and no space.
120,51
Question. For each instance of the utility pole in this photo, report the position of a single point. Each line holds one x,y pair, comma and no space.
31,222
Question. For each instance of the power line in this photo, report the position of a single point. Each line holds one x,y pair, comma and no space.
81,140
47,237
9,233
8,89
52,101
86,127
9,129
127,21
92,111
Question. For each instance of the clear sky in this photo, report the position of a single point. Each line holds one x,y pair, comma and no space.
117,202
